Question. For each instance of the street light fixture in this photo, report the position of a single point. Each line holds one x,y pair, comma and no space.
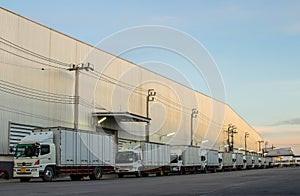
101,120
167,135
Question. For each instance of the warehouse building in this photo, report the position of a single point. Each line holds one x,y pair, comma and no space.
49,79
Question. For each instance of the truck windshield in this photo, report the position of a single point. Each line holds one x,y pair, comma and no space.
124,157
174,159
27,150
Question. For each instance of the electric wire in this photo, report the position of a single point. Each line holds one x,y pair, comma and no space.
20,112
30,93
34,61
24,50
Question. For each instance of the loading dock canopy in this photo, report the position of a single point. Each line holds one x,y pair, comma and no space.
122,116
280,152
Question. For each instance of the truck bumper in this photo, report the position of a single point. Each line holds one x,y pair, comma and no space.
125,171
175,169
20,172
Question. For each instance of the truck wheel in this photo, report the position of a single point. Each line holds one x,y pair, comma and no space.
48,174
25,179
138,174
144,174
97,174
182,171
160,173
120,175
76,177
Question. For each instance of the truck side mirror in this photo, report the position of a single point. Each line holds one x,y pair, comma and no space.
11,150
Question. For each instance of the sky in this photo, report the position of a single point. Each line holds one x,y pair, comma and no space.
255,44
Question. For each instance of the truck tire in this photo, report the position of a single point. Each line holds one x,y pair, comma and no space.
204,170
76,177
144,174
97,174
138,174
160,173
25,179
120,175
48,174
182,171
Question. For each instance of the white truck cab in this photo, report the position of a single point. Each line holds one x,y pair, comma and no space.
33,154
129,162
142,159
176,161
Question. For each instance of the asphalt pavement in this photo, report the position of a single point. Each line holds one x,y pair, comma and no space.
275,181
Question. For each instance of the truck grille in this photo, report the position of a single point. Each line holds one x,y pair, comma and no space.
24,164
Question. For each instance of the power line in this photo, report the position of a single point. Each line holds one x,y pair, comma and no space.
24,50
38,62
30,93
20,112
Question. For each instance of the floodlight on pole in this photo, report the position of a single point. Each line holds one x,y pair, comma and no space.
101,120
167,135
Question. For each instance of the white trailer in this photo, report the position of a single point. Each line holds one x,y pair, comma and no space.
60,151
210,160
185,159
142,159
237,159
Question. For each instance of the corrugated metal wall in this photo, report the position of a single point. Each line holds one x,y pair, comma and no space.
36,89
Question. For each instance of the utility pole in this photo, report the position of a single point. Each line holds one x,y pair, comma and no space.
233,131
150,97
246,136
259,145
193,115
230,134
77,68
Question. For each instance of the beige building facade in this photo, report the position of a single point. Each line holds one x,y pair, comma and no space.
37,89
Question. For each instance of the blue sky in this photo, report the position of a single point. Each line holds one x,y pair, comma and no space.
255,43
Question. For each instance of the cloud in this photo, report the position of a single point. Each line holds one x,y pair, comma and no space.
293,121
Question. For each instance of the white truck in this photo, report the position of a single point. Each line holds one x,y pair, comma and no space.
210,160
237,159
255,161
226,161
248,162
269,162
185,159
142,159
61,151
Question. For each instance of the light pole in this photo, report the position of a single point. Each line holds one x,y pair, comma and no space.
193,115
77,68
150,97
246,136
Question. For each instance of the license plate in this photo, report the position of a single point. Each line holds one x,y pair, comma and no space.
23,170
